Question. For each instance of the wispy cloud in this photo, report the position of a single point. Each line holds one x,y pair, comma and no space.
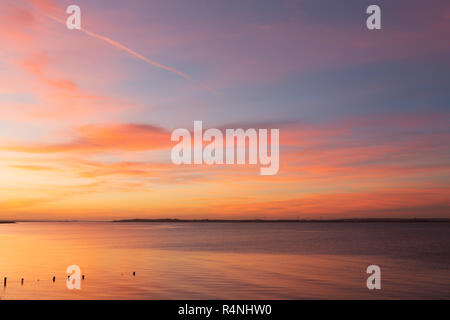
49,10
141,57
102,138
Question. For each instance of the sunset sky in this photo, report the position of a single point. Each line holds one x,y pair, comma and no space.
86,115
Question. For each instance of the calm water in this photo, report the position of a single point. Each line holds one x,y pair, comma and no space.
225,260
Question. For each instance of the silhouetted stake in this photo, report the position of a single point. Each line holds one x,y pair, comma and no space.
82,277
4,282
54,278
134,273
21,281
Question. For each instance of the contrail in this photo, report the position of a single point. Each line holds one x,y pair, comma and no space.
132,52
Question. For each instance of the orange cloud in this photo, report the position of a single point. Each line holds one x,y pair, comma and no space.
32,168
37,63
109,137
17,20
412,202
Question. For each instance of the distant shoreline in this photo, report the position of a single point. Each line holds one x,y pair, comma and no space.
368,220
167,220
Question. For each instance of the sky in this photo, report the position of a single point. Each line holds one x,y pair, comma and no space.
86,115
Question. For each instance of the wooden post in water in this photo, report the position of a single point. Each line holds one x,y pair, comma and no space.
21,281
4,281
134,273
54,278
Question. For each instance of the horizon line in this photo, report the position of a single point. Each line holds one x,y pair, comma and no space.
206,220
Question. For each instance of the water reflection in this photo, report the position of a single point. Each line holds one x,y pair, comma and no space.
224,261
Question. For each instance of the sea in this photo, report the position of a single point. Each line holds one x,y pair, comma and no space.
225,260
